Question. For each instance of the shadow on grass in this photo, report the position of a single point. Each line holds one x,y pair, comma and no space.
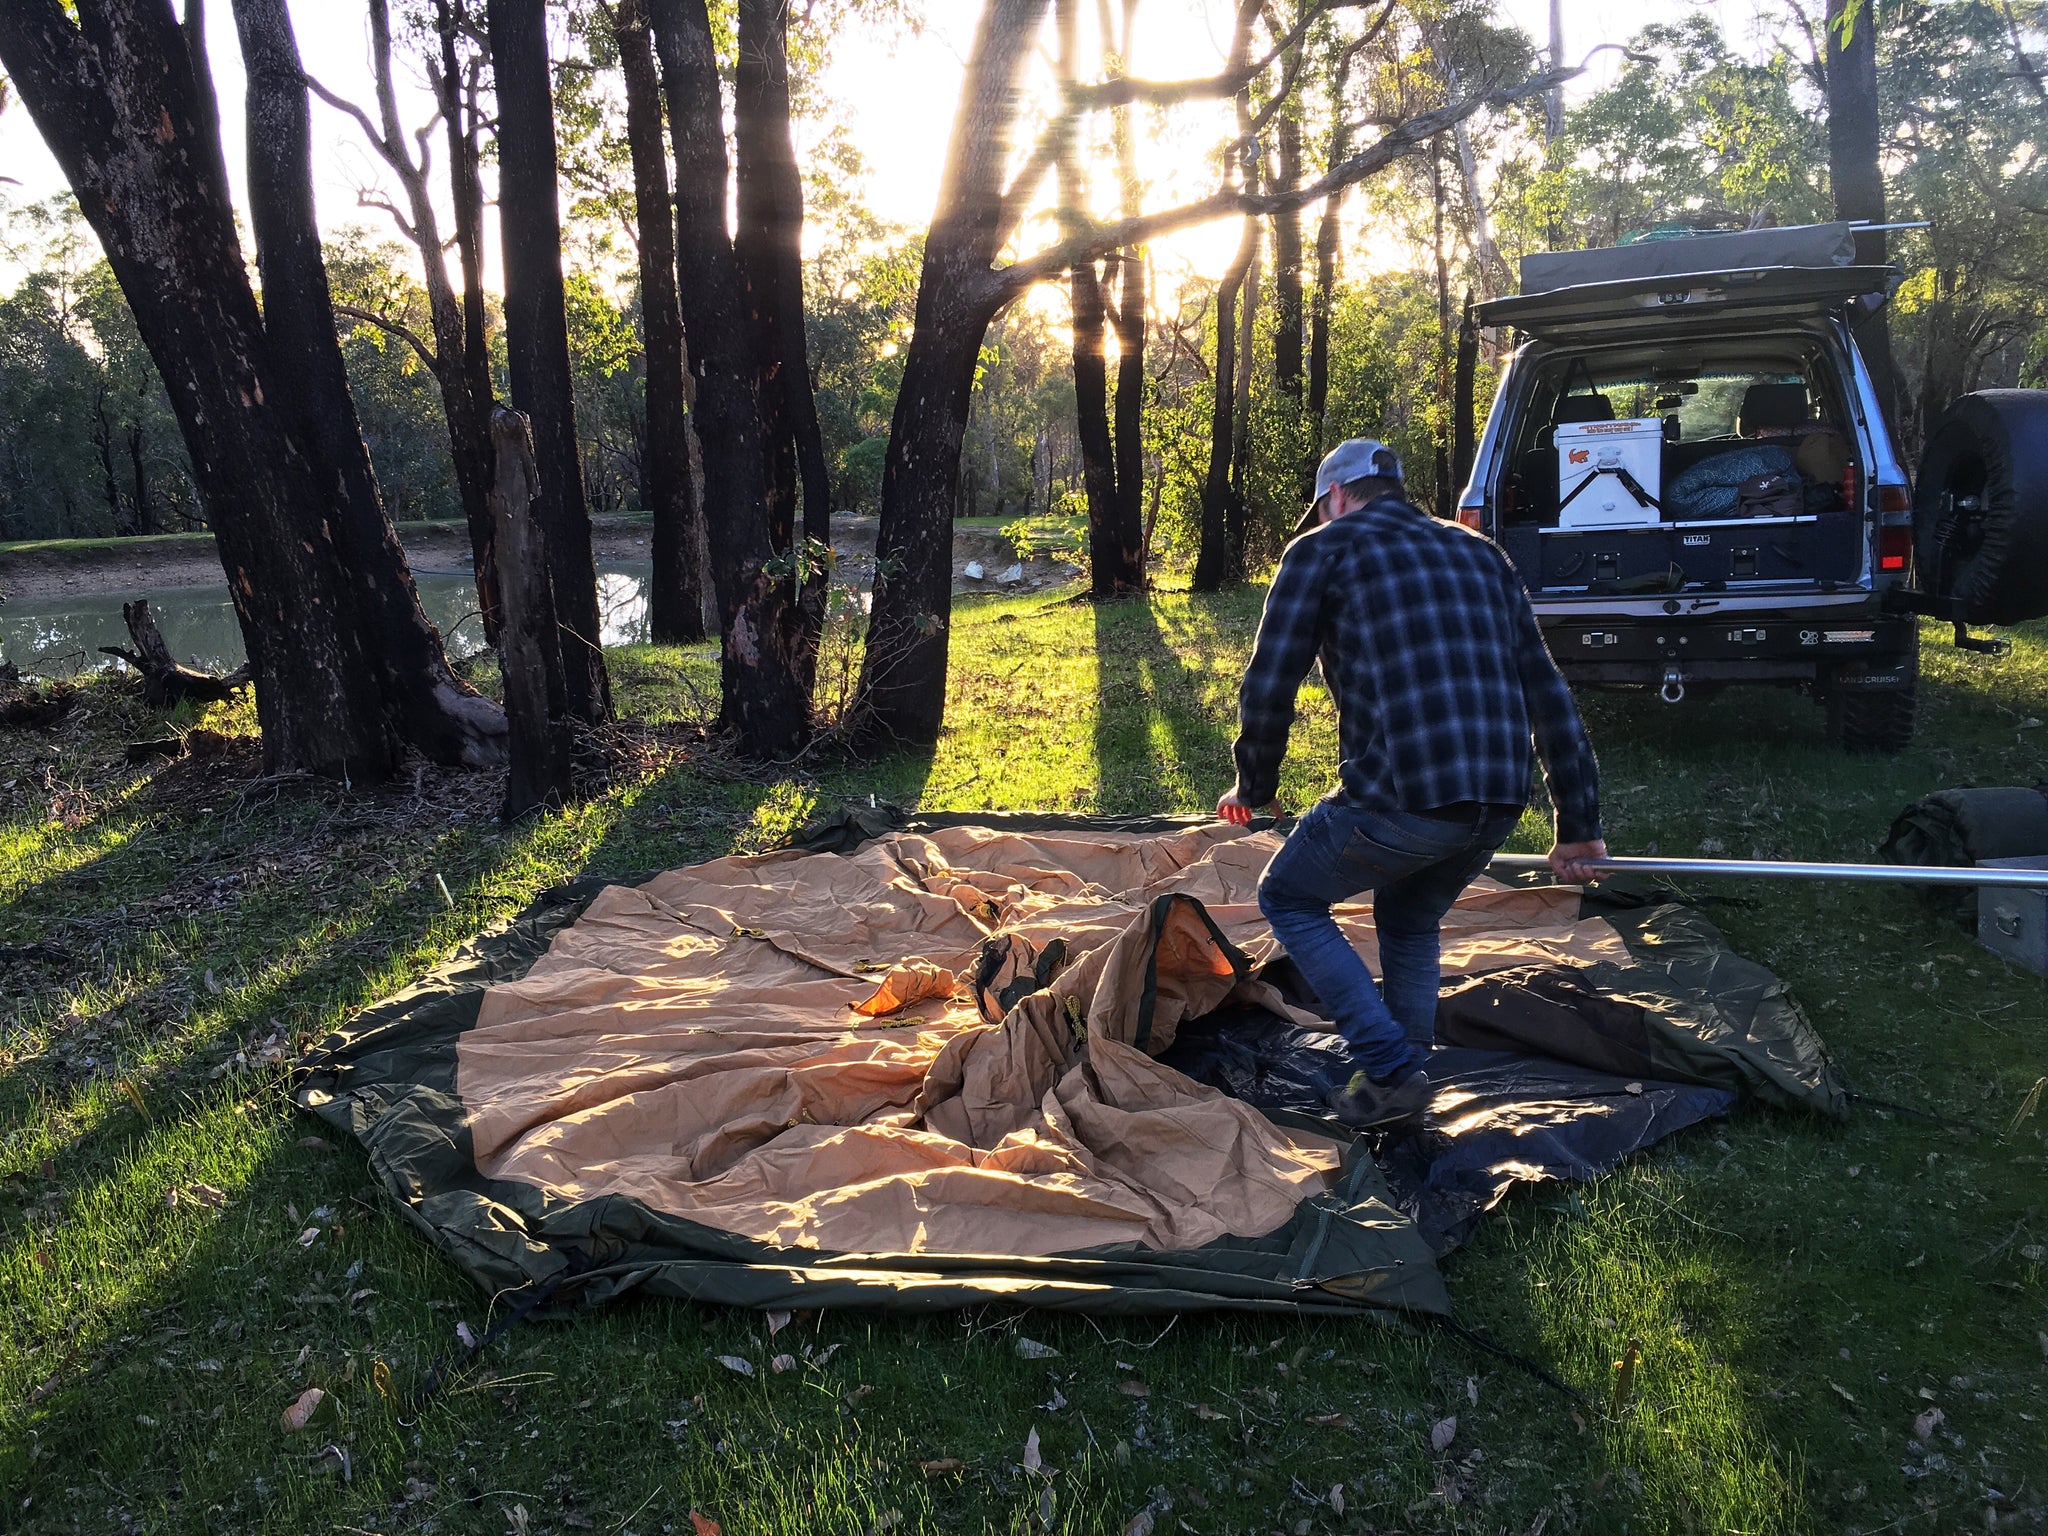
1158,744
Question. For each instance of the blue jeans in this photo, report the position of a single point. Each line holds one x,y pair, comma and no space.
1415,865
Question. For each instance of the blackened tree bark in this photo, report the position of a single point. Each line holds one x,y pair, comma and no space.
768,243
436,711
765,700
467,416
675,603
1855,171
1287,296
537,334
117,100
1131,522
1464,425
1212,555
541,773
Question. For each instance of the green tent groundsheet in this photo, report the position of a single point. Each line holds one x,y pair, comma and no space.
920,1063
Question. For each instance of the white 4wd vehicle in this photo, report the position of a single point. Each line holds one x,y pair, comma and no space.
1687,462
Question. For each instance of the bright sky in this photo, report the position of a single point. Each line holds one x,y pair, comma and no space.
894,96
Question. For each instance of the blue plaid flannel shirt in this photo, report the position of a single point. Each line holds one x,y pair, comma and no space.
1440,673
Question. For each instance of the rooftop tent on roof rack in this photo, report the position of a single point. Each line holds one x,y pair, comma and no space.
1802,245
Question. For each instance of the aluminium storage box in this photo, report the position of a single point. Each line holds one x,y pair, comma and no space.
2013,922
1610,454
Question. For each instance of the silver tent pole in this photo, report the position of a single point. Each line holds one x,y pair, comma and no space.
1774,869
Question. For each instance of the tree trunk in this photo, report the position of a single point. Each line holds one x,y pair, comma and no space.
117,102
1237,507
1320,306
1287,304
1464,425
537,335
468,427
462,118
1445,345
1109,555
769,246
541,774
1134,539
1212,558
1856,172
675,603
903,673
1113,550
436,711
763,698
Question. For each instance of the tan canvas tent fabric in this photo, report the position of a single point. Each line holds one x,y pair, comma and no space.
695,1043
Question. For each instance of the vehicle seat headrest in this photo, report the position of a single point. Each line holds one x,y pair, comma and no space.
1772,407
1576,408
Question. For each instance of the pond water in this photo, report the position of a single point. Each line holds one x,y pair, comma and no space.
61,636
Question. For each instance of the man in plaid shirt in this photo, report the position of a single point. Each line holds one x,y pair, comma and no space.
1441,679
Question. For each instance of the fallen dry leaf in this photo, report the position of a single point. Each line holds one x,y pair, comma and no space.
1204,1411
1031,1349
1056,1402
1928,1422
1844,1393
824,1356
1337,1500
380,1378
704,1525
1472,1390
860,1393
1140,1524
302,1409
465,1335
1134,1389
887,1520
1442,1433
309,1237
782,1363
1328,1420
945,1466
777,1321
737,1364
1033,1461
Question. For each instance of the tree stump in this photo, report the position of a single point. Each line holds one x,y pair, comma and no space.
537,707
166,682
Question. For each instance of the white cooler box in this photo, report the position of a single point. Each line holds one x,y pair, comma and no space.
1603,452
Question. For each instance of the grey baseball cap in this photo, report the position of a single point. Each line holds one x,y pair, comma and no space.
1354,459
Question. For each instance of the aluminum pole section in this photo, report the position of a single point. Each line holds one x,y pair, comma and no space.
1772,869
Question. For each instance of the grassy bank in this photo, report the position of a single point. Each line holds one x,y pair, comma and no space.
1800,1292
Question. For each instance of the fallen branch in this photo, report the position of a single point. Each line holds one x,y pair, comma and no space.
166,682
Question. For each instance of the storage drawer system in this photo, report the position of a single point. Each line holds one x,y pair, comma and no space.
1823,547
2013,922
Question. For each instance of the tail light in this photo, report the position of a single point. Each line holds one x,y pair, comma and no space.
1893,498
1894,547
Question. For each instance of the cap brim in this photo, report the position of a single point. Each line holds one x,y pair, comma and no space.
1308,521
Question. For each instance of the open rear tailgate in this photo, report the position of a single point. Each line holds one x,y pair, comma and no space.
1662,303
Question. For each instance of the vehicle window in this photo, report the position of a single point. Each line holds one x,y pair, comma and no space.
1711,412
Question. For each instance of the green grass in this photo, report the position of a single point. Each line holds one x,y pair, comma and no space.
1800,1291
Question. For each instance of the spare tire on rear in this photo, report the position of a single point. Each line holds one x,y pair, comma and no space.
1980,510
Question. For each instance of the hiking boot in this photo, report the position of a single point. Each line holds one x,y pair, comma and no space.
1365,1105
